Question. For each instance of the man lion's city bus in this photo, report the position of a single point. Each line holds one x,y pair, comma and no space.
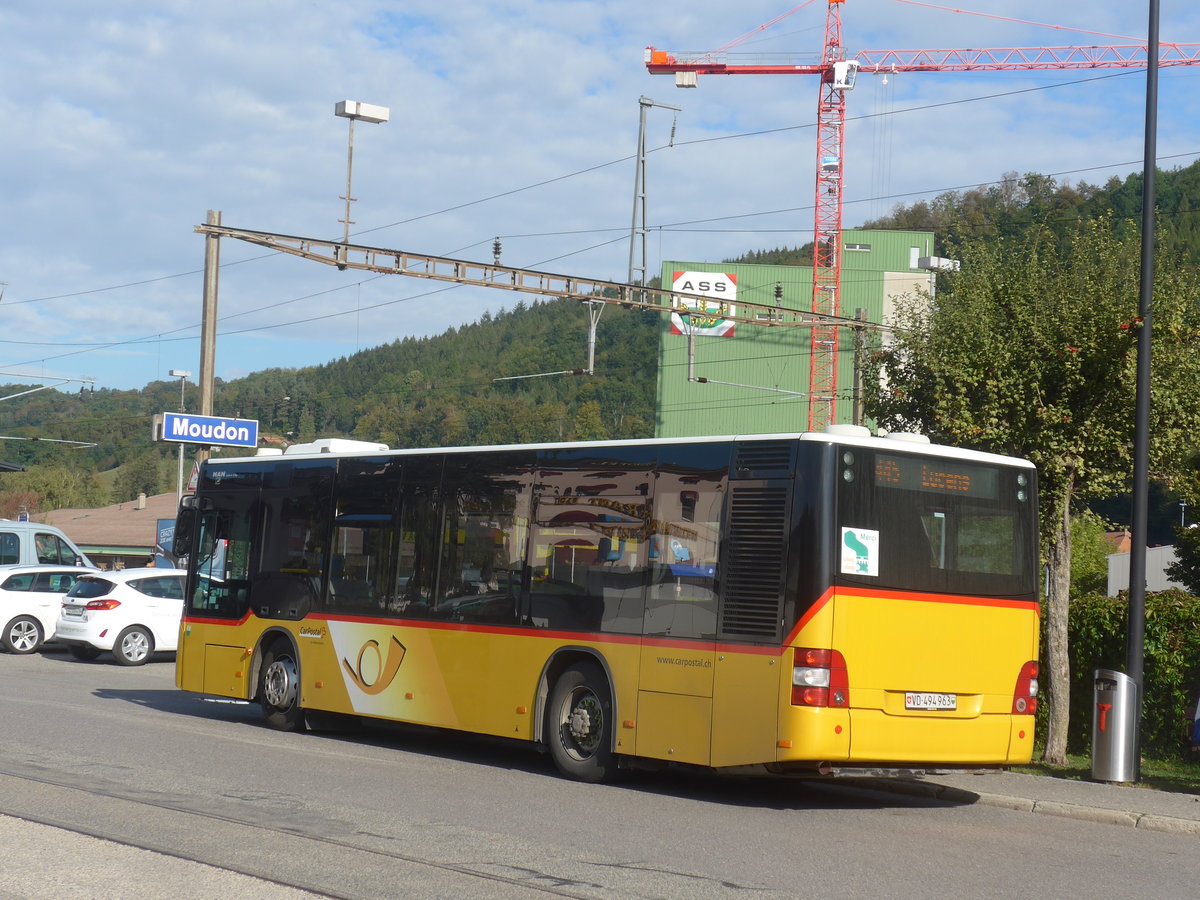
790,603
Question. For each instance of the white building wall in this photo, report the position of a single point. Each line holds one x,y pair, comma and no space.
1157,560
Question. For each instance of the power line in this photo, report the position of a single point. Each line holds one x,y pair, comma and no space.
674,227
597,167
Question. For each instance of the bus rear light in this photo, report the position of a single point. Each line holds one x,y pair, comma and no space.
1025,693
819,678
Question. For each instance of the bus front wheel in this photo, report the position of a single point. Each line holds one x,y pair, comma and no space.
579,724
279,689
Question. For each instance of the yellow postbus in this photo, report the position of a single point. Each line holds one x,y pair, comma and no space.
785,603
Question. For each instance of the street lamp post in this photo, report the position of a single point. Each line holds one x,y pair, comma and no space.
183,376
352,110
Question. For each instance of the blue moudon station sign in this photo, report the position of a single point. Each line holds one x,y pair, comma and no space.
216,430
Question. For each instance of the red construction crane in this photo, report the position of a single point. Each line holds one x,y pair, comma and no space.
838,72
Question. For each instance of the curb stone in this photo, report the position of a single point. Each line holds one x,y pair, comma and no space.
1100,815
1086,813
1169,824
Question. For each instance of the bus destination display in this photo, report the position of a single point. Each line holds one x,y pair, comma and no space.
936,475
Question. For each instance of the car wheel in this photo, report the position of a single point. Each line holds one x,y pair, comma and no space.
279,688
84,653
579,724
133,646
22,635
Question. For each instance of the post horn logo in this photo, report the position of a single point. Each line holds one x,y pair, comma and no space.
379,672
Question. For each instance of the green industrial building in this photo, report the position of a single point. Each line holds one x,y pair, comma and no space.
755,378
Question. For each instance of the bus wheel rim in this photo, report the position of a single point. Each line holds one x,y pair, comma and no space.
583,723
279,683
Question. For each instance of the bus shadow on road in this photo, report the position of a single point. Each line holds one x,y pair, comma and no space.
178,702
797,792
682,782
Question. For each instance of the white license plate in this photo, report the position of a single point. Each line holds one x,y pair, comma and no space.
76,613
924,700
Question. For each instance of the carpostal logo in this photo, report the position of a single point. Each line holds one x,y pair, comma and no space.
312,631
371,672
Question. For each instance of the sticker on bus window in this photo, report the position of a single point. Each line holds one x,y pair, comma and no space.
860,551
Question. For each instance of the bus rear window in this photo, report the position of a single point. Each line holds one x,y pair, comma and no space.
912,522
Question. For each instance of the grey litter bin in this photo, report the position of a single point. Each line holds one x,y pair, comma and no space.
1114,727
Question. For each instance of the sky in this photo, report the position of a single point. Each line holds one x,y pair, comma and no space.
124,122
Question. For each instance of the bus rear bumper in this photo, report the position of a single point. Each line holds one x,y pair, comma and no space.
930,741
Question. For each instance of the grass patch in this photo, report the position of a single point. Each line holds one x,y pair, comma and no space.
1181,776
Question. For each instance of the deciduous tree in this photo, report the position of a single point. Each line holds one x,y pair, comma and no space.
1030,351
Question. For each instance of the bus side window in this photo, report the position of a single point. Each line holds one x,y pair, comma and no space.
484,528
588,550
420,528
365,537
297,529
682,600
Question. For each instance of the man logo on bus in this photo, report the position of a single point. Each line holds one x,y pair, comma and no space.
373,673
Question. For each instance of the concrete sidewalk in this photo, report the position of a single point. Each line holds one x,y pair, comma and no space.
42,861
1112,804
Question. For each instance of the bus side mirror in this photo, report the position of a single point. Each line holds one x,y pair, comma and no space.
185,528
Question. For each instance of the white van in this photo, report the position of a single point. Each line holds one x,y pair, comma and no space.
31,544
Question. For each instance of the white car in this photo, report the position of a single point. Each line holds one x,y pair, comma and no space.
133,613
30,597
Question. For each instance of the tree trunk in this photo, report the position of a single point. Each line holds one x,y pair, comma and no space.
1057,674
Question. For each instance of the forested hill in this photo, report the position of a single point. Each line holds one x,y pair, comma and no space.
442,391
1019,202
436,391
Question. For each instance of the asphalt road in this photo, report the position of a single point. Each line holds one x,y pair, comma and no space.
113,783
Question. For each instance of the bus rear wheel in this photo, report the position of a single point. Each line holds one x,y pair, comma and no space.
279,689
579,724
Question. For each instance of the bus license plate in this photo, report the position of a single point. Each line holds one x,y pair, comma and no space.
923,700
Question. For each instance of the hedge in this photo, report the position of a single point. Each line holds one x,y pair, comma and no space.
1097,634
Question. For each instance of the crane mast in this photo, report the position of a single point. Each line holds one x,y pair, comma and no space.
837,73
827,225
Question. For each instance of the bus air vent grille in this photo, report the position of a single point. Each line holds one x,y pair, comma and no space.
754,563
761,459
